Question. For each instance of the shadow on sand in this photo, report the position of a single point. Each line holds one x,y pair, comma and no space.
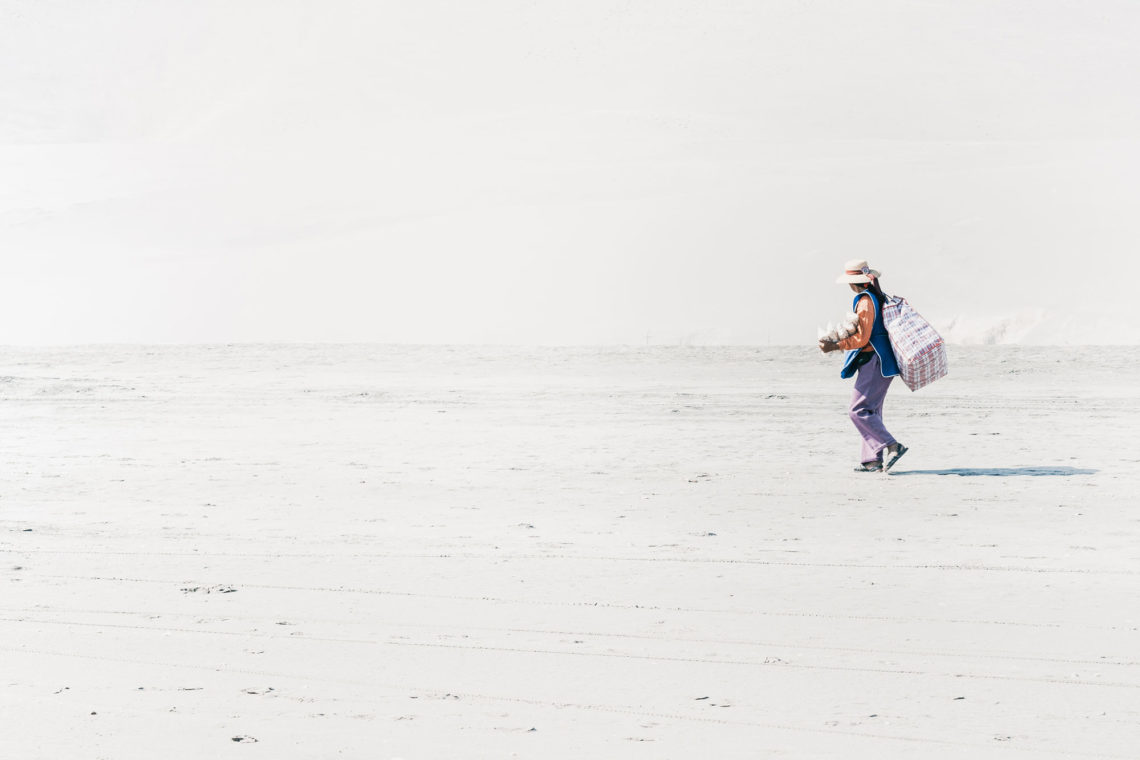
1002,472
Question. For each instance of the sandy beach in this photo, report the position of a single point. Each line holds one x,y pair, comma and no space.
395,552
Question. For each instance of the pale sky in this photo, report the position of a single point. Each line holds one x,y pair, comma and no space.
562,172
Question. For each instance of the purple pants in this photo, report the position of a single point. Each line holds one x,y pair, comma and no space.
867,410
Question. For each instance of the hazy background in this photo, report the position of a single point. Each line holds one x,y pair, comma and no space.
563,172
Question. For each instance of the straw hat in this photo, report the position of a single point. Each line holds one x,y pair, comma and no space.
857,270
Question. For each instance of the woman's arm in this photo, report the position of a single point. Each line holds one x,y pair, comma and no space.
865,310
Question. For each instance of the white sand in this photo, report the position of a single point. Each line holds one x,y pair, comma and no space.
562,553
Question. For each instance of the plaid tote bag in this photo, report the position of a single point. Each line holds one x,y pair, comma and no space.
919,349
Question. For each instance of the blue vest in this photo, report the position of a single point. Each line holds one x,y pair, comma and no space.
879,341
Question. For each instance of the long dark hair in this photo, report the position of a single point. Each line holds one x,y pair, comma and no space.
877,289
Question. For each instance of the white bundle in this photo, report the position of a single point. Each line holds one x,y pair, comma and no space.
849,325
828,334
836,332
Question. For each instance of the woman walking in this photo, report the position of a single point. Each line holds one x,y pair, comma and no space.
869,354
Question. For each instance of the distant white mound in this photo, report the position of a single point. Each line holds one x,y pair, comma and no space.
976,330
1077,327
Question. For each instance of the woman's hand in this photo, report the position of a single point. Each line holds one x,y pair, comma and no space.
827,346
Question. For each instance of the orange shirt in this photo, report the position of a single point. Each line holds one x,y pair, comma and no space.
861,338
